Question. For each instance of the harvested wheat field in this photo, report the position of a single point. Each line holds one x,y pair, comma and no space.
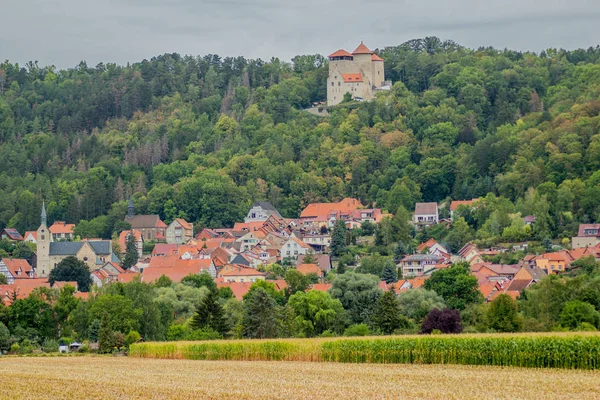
124,378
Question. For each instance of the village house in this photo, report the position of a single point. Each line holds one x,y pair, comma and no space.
360,74
14,268
323,261
426,214
151,226
588,236
10,234
306,269
456,203
180,231
30,237
139,241
419,264
470,253
323,215
433,247
108,273
319,243
261,211
237,273
61,231
294,247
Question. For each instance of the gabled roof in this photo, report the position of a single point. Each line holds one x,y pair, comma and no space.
426,245
12,233
61,227
583,227
321,287
101,247
123,236
323,210
306,269
241,271
64,248
164,249
15,265
32,233
362,49
350,78
145,221
340,53
183,223
265,205
454,205
239,289
375,57
426,208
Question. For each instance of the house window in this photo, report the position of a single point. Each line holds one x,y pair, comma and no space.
332,83
148,235
339,83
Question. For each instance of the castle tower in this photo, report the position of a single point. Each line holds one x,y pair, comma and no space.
43,246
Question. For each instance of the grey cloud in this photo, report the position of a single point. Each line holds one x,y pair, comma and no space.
63,32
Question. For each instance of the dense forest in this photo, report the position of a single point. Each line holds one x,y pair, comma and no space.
204,137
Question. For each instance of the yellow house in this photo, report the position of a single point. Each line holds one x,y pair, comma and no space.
554,263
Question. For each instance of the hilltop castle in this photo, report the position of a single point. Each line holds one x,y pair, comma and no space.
360,74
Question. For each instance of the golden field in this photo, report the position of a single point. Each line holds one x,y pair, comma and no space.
128,378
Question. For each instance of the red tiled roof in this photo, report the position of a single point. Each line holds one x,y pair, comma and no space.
583,227
239,289
362,49
184,223
340,53
321,287
12,233
426,245
306,269
454,205
61,227
349,78
375,57
15,265
241,271
125,234
32,233
164,249
60,285
323,210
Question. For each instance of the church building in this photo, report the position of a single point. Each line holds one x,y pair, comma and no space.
94,253
360,74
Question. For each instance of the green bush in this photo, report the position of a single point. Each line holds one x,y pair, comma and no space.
50,346
357,330
132,337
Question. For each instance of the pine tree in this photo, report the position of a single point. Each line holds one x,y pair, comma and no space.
94,331
387,315
131,252
389,274
209,314
338,238
260,320
106,341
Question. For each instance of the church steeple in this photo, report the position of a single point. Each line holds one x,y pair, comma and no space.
44,219
130,208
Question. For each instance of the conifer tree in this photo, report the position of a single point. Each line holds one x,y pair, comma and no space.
387,316
131,252
389,274
209,314
338,238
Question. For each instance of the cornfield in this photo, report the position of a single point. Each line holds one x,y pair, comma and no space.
570,351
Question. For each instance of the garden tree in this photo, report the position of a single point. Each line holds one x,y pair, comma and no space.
456,285
459,235
503,315
269,287
24,250
576,312
358,294
71,269
106,337
225,293
200,280
261,315
316,312
234,313
94,331
3,280
310,258
587,265
416,304
121,316
34,314
402,228
387,316
131,252
64,305
375,264
389,274
445,321
210,315
164,282
181,299
338,238
4,338
296,281
368,228
547,244
384,233
153,325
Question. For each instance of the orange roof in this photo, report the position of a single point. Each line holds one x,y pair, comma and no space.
60,285
340,53
239,289
176,272
322,210
32,233
454,205
184,223
362,49
321,287
127,277
306,269
247,226
417,282
82,295
486,288
125,234
15,265
349,78
22,287
427,245
241,271
61,227
375,57
280,284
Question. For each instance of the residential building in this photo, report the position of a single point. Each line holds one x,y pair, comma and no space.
61,231
179,231
294,247
108,273
456,203
317,215
139,241
319,243
554,263
261,211
11,234
151,226
306,269
433,247
323,261
360,74
419,264
236,273
588,236
30,237
426,214
14,268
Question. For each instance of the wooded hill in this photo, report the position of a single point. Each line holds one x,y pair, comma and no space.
204,137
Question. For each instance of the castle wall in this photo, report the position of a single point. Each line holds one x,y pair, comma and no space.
371,71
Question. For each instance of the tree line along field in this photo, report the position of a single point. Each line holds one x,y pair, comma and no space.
567,351
117,377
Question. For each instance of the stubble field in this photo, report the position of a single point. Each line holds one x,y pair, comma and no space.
125,378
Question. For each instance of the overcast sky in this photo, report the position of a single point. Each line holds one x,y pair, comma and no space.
64,32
